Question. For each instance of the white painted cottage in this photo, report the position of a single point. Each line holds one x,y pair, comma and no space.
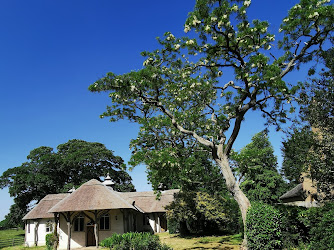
94,212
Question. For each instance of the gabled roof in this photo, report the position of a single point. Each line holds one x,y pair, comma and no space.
40,211
147,201
297,191
92,195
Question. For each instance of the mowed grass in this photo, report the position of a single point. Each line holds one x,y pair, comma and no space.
11,233
207,242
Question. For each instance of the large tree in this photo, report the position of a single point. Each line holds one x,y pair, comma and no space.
310,148
256,166
48,172
184,80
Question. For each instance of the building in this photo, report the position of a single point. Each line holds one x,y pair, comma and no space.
304,194
93,212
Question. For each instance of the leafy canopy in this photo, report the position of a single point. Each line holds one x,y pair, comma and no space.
180,79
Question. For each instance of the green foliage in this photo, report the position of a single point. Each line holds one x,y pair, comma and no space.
174,160
295,149
136,241
47,172
183,82
202,213
263,227
320,220
295,231
256,165
313,150
50,240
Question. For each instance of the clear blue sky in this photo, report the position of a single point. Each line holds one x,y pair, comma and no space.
50,51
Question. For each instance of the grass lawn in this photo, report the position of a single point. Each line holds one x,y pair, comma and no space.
11,233
207,242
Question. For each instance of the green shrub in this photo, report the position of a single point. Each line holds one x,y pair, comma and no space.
263,227
322,231
173,226
50,240
135,241
294,230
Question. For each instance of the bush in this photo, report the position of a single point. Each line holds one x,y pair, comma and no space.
50,240
136,241
322,231
263,227
294,230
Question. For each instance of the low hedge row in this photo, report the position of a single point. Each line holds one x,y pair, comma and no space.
135,241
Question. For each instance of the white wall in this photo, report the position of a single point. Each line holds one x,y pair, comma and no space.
41,232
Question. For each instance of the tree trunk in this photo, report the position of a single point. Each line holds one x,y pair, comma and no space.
235,190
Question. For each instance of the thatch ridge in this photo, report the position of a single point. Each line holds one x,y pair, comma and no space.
92,195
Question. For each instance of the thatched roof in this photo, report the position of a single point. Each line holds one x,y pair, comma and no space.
92,195
147,202
297,191
41,209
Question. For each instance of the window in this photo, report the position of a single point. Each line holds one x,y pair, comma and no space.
105,222
79,223
28,224
48,226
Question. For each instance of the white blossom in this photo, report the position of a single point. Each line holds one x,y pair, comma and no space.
220,73
207,28
213,19
177,46
234,8
285,20
247,3
171,37
268,47
186,28
263,30
280,30
196,21
189,42
315,14
220,24
297,6
133,88
214,38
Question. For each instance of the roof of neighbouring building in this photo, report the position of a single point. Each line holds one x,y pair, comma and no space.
297,191
148,202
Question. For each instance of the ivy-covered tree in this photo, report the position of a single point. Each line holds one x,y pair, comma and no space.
183,80
49,172
256,166
310,148
296,148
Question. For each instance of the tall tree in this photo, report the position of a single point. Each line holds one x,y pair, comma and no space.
47,172
312,149
256,166
179,80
